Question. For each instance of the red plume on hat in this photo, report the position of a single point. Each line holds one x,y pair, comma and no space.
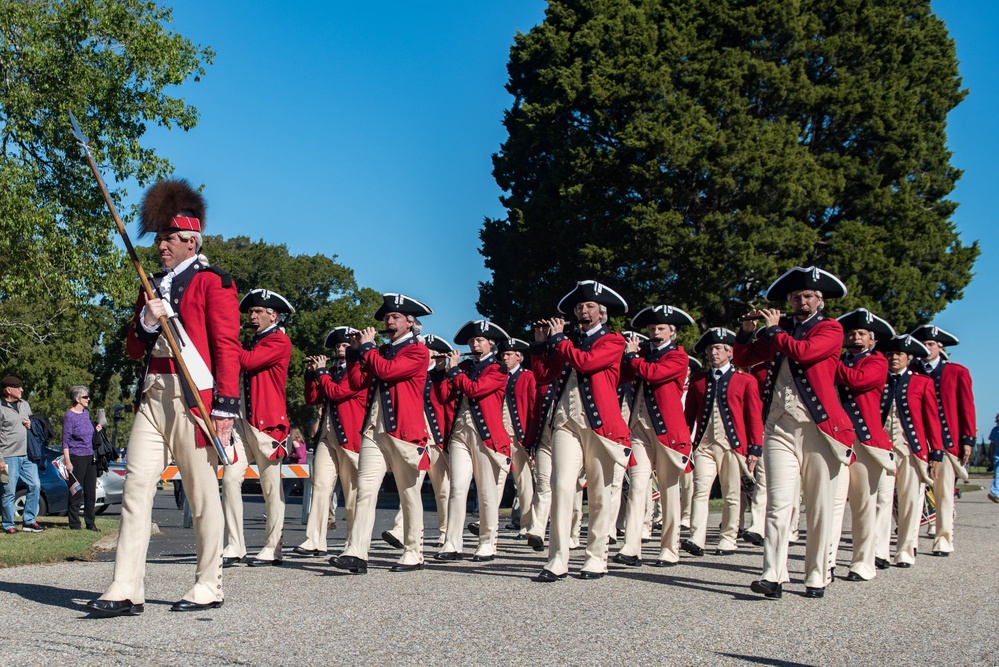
172,205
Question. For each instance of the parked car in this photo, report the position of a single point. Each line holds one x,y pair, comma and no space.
110,487
54,500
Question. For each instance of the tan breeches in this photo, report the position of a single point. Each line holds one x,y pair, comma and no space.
232,496
164,429
542,505
711,460
798,450
651,455
468,458
943,496
331,462
379,452
575,449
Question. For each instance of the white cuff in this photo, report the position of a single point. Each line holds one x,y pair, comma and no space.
142,321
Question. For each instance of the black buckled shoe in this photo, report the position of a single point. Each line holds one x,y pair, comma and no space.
623,559
308,552
753,538
904,566
724,552
391,540
412,567
814,592
482,559
549,576
881,563
257,562
853,576
473,528
352,564
231,561
448,555
941,554
536,543
590,575
663,563
187,605
115,607
767,588
691,548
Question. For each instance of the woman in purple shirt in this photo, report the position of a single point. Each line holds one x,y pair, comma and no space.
78,453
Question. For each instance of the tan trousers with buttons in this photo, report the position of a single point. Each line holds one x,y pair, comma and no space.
164,429
711,460
379,452
575,449
330,463
798,451
232,494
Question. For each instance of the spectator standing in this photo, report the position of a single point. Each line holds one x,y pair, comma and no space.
78,453
15,421
994,440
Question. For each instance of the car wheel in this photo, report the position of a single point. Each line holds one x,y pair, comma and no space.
43,507
101,509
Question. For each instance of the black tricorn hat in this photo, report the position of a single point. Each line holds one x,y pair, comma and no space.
865,319
661,314
591,290
927,332
693,364
483,328
400,303
713,337
438,344
265,299
513,345
168,200
800,278
337,336
908,344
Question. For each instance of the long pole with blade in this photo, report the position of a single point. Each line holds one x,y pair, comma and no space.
150,294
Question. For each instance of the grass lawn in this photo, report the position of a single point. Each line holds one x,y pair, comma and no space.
58,543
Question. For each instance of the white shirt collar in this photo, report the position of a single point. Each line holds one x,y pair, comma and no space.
514,370
592,331
932,364
723,369
403,339
666,344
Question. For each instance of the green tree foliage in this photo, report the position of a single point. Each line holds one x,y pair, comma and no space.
111,64
690,151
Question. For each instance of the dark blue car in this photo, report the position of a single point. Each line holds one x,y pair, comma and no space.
54,498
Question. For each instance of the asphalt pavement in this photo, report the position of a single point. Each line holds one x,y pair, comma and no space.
701,612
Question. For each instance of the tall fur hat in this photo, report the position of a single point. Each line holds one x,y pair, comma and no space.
172,204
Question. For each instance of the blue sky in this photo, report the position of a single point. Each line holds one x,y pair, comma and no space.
365,131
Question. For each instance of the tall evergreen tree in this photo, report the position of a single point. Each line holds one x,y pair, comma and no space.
690,151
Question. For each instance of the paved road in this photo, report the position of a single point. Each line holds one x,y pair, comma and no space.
941,612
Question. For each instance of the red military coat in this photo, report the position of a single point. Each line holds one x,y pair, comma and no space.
483,383
346,403
521,401
662,375
439,410
265,373
205,300
597,360
395,375
862,382
916,401
741,397
815,349
956,404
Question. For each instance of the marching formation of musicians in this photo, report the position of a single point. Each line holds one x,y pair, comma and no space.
837,411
